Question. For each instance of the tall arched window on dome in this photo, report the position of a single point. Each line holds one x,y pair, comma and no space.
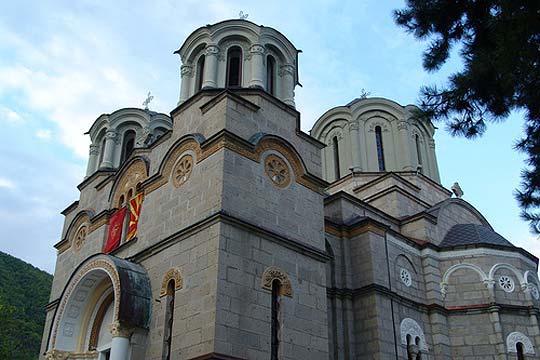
169,317
335,149
234,67
101,151
380,149
271,75
418,152
200,73
519,350
274,346
128,144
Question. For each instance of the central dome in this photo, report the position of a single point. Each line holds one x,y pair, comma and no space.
236,54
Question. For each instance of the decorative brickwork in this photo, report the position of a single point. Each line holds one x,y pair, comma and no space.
274,273
171,274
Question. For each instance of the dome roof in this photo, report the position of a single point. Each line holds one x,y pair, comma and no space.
469,234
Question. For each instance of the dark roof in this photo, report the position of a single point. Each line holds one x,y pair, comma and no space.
467,234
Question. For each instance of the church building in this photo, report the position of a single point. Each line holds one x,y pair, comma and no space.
223,231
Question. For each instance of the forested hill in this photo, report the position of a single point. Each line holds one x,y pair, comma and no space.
24,291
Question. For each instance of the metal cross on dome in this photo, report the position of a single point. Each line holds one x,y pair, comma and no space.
242,16
146,102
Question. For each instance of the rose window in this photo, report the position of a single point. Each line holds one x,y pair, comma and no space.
506,283
80,237
182,170
405,276
277,170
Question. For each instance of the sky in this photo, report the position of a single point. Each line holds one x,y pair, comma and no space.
63,63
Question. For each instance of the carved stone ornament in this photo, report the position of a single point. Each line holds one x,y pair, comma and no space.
182,170
274,273
135,174
171,274
80,238
111,134
186,70
410,327
286,69
119,330
405,277
277,170
516,337
402,125
94,150
506,283
64,355
256,49
212,50
374,124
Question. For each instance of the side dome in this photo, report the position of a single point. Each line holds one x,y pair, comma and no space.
115,136
375,135
238,54
473,234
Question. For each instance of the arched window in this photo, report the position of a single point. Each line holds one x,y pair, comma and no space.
128,144
380,150
270,74
200,73
101,151
335,148
234,67
519,350
418,152
169,317
274,351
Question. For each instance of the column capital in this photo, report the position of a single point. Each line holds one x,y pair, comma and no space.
211,50
94,149
256,49
119,330
111,134
186,70
402,125
286,69
354,125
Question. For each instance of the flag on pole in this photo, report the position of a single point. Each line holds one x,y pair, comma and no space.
135,206
116,226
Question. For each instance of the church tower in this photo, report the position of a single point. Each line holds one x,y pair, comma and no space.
206,240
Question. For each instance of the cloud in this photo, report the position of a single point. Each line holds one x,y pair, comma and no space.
44,134
6,184
11,116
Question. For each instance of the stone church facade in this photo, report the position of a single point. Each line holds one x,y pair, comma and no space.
255,240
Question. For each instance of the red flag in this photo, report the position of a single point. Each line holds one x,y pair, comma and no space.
115,230
135,206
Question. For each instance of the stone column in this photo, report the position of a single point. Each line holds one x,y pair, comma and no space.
120,341
355,146
362,143
498,340
433,161
108,152
257,66
92,160
210,67
404,153
186,73
286,72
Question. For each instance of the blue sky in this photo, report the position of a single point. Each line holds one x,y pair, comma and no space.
63,63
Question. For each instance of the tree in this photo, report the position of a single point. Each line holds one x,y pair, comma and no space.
499,44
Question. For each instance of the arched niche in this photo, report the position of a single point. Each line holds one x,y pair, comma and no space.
516,337
410,327
78,321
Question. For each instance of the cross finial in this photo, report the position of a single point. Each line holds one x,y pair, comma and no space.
364,94
146,102
242,16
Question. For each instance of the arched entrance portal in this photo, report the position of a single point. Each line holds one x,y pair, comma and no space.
104,302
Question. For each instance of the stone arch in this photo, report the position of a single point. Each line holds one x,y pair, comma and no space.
407,260
410,327
131,297
444,283
531,274
274,273
512,268
131,174
516,337
80,220
189,142
171,274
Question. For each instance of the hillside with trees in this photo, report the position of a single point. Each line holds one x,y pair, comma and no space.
24,291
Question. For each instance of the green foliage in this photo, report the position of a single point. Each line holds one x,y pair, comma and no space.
500,47
24,291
